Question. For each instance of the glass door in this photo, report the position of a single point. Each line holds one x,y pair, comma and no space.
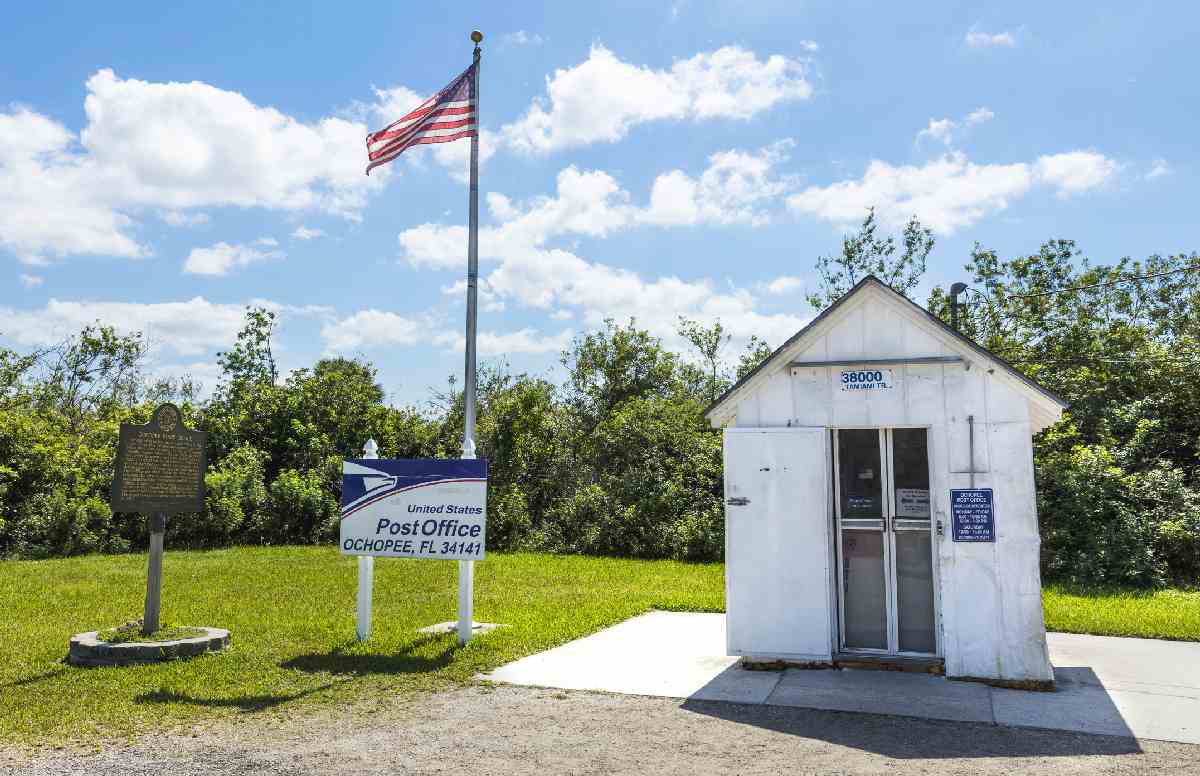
884,547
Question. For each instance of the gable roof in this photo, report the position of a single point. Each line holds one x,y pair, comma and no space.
1038,392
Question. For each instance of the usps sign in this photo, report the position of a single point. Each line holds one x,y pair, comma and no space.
414,508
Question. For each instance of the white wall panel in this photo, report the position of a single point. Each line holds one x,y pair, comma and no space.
810,393
775,400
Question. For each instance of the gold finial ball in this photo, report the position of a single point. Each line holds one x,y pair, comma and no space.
476,35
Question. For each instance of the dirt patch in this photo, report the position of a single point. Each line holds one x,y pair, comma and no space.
511,730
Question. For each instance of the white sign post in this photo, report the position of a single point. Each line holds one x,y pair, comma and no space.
366,571
420,508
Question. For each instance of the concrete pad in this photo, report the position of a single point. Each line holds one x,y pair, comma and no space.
884,692
671,654
1148,665
1112,686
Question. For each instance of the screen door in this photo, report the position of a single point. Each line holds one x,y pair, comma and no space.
885,555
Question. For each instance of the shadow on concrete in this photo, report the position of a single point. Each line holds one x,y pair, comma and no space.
1079,718
345,660
906,738
245,703
1080,703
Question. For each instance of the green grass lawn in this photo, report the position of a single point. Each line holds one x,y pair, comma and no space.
291,610
1152,614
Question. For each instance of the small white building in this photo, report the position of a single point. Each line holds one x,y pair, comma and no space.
880,500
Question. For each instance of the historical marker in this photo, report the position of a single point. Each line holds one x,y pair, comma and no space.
159,471
160,466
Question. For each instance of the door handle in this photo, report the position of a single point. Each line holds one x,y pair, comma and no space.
737,501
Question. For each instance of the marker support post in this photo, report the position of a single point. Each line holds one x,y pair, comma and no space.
150,616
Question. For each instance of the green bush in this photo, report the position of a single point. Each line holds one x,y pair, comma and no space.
1092,529
301,510
55,523
234,504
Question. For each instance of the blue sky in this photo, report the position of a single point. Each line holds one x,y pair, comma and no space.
161,167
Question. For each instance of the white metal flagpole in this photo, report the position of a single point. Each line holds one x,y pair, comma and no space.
466,568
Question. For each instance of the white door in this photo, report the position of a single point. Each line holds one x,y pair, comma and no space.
777,543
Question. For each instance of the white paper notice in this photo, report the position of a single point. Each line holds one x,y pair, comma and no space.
912,502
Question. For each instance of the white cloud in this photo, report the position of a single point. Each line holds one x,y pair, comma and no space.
188,328
938,129
529,271
811,46
602,98
31,281
946,194
946,131
950,192
219,259
1075,171
784,284
165,147
729,191
734,188
53,200
183,145
522,38
303,232
372,328
522,341
1158,169
978,39
979,116
177,218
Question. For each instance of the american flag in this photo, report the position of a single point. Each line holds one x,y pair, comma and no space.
446,116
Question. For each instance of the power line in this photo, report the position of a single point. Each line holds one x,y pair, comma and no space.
1134,279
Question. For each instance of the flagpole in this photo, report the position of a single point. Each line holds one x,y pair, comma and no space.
466,568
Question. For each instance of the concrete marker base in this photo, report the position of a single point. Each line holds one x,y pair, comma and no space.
88,650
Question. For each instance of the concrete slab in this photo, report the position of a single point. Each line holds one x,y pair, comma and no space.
884,692
669,654
1112,686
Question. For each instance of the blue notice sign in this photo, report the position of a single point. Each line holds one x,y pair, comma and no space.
972,516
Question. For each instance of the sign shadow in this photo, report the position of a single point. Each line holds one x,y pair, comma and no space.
347,660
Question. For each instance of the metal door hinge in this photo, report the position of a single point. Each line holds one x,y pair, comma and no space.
737,501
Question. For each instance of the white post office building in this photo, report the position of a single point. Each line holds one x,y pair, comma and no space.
880,501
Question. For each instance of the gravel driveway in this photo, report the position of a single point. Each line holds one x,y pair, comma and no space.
508,730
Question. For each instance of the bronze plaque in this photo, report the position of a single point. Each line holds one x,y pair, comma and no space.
160,466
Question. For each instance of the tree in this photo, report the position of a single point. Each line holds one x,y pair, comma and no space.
251,361
709,343
92,373
865,253
1118,477
756,352
613,365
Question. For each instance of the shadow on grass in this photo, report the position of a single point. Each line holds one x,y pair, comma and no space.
36,678
344,660
245,703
